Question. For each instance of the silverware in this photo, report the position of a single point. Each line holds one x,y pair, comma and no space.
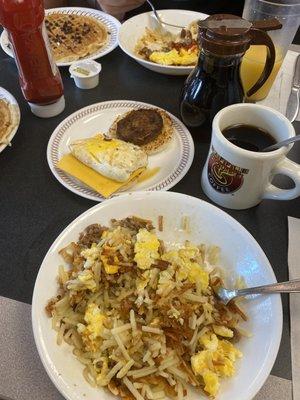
285,142
226,295
158,17
292,107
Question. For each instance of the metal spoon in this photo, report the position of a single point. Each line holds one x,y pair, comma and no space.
226,295
283,143
158,17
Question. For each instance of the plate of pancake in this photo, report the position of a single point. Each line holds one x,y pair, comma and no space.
76,33
9,118
119,146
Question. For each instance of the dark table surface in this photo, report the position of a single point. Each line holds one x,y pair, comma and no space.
35,208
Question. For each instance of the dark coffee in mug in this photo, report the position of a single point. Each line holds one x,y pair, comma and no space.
248,137
238,179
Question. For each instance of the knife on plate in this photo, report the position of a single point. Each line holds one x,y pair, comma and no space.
292,107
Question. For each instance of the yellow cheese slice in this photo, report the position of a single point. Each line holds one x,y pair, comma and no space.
105,186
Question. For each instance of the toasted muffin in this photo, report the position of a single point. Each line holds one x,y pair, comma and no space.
150,129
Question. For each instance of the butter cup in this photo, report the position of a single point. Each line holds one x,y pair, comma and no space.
85,73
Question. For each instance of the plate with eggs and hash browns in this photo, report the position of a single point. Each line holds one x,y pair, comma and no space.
174,52
124,303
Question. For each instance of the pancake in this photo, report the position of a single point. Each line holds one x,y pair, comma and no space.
73,37
152,133
8,120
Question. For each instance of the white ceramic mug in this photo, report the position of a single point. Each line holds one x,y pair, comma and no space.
236,178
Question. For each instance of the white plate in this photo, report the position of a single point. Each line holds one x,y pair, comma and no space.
134,28
5,95
241,255
174,162
111,23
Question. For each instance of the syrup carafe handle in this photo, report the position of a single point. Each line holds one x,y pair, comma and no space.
259,37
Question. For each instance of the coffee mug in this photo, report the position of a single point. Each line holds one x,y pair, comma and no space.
237,178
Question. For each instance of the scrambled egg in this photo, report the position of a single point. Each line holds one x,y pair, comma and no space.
91,255
189,269
110,268
197,274
209,341
86,281
217,359
90,333
111,240
146,253
165,281
175,57
146,249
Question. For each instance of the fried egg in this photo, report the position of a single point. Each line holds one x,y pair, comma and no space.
112,158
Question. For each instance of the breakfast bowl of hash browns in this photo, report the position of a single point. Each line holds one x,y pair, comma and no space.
125,303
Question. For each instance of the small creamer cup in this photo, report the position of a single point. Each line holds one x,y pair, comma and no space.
90,78
237,178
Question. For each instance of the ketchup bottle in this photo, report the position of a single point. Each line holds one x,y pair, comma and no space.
39,76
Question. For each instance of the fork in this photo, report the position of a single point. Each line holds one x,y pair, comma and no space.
159,19
226,295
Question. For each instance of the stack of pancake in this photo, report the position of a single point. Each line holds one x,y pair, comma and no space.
8,120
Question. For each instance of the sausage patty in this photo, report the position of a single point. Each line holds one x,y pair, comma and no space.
140,126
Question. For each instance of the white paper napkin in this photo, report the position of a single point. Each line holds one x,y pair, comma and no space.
275,388
22,375
281,89
294,273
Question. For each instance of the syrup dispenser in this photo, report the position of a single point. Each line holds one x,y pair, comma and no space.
215,82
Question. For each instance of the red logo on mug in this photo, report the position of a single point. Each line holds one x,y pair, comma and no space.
223,176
